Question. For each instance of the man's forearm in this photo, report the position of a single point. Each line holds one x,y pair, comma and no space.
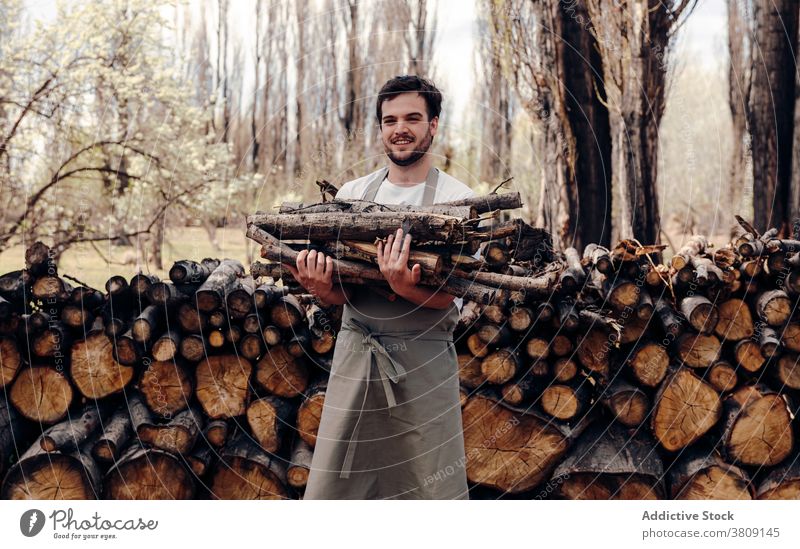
425,297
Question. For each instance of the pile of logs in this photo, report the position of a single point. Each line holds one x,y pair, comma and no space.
606,375
207,385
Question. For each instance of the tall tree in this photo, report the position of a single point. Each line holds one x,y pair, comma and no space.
553,60
634,39
771,110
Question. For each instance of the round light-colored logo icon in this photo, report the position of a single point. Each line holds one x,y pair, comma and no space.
31,522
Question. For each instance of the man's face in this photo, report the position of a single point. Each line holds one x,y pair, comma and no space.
406,132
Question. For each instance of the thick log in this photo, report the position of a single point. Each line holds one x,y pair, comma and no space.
698,350
469,371
748,355
607,462
500,366
41,394
193,348
685,409
140,285
246,471
148,473
270,418
148,325
240,298
783,482
282,374
266,294
164,294
593,351
40,475
722,376
94,370
565,401
221,385
166,387
757,428
51,342
735,322
51,289
167,345
511,449
287,312
649,362
700,473
176,437
211,295
191,320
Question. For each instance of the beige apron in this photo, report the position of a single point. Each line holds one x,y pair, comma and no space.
391,424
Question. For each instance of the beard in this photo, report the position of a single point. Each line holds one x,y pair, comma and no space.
415,155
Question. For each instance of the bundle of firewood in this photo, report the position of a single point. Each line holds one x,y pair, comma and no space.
445,239
206,385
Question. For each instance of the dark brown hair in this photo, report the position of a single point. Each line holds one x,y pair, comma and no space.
410,83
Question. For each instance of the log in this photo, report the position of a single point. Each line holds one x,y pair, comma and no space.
216,432
698,350
11,433
140,285
166,387
269,419
191,272
649,363
192,348
509,449
41,394
700,473
93,369
365,206
735,322
176,437
774,307
221,385
148,473
240,299
287,312
246,471
628,404
722,376
783,482
685,409
74,432
423,227
115,436
565,401
147,325
607,462
701,313
64,476
748,355
10,360
191,320
167,345
300,464
211,295
757,428
282,374
500,366
470,374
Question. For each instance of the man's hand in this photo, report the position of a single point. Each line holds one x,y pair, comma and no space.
393,263
314,272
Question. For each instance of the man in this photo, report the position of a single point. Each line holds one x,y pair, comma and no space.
391,424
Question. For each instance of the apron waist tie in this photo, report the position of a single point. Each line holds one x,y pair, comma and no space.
393,372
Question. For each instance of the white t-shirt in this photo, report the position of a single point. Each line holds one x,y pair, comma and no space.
447,189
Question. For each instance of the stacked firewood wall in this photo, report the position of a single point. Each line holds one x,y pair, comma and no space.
606,375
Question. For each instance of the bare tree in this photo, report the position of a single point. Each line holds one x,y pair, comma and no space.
634,39
771,110
738,91
553,61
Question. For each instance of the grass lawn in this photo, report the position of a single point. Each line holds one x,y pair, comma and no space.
95,266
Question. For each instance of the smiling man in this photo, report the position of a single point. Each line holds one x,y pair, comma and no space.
391,424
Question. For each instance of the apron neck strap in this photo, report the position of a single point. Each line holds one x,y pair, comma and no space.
430,186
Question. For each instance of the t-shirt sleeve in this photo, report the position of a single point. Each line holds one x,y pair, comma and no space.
345,192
